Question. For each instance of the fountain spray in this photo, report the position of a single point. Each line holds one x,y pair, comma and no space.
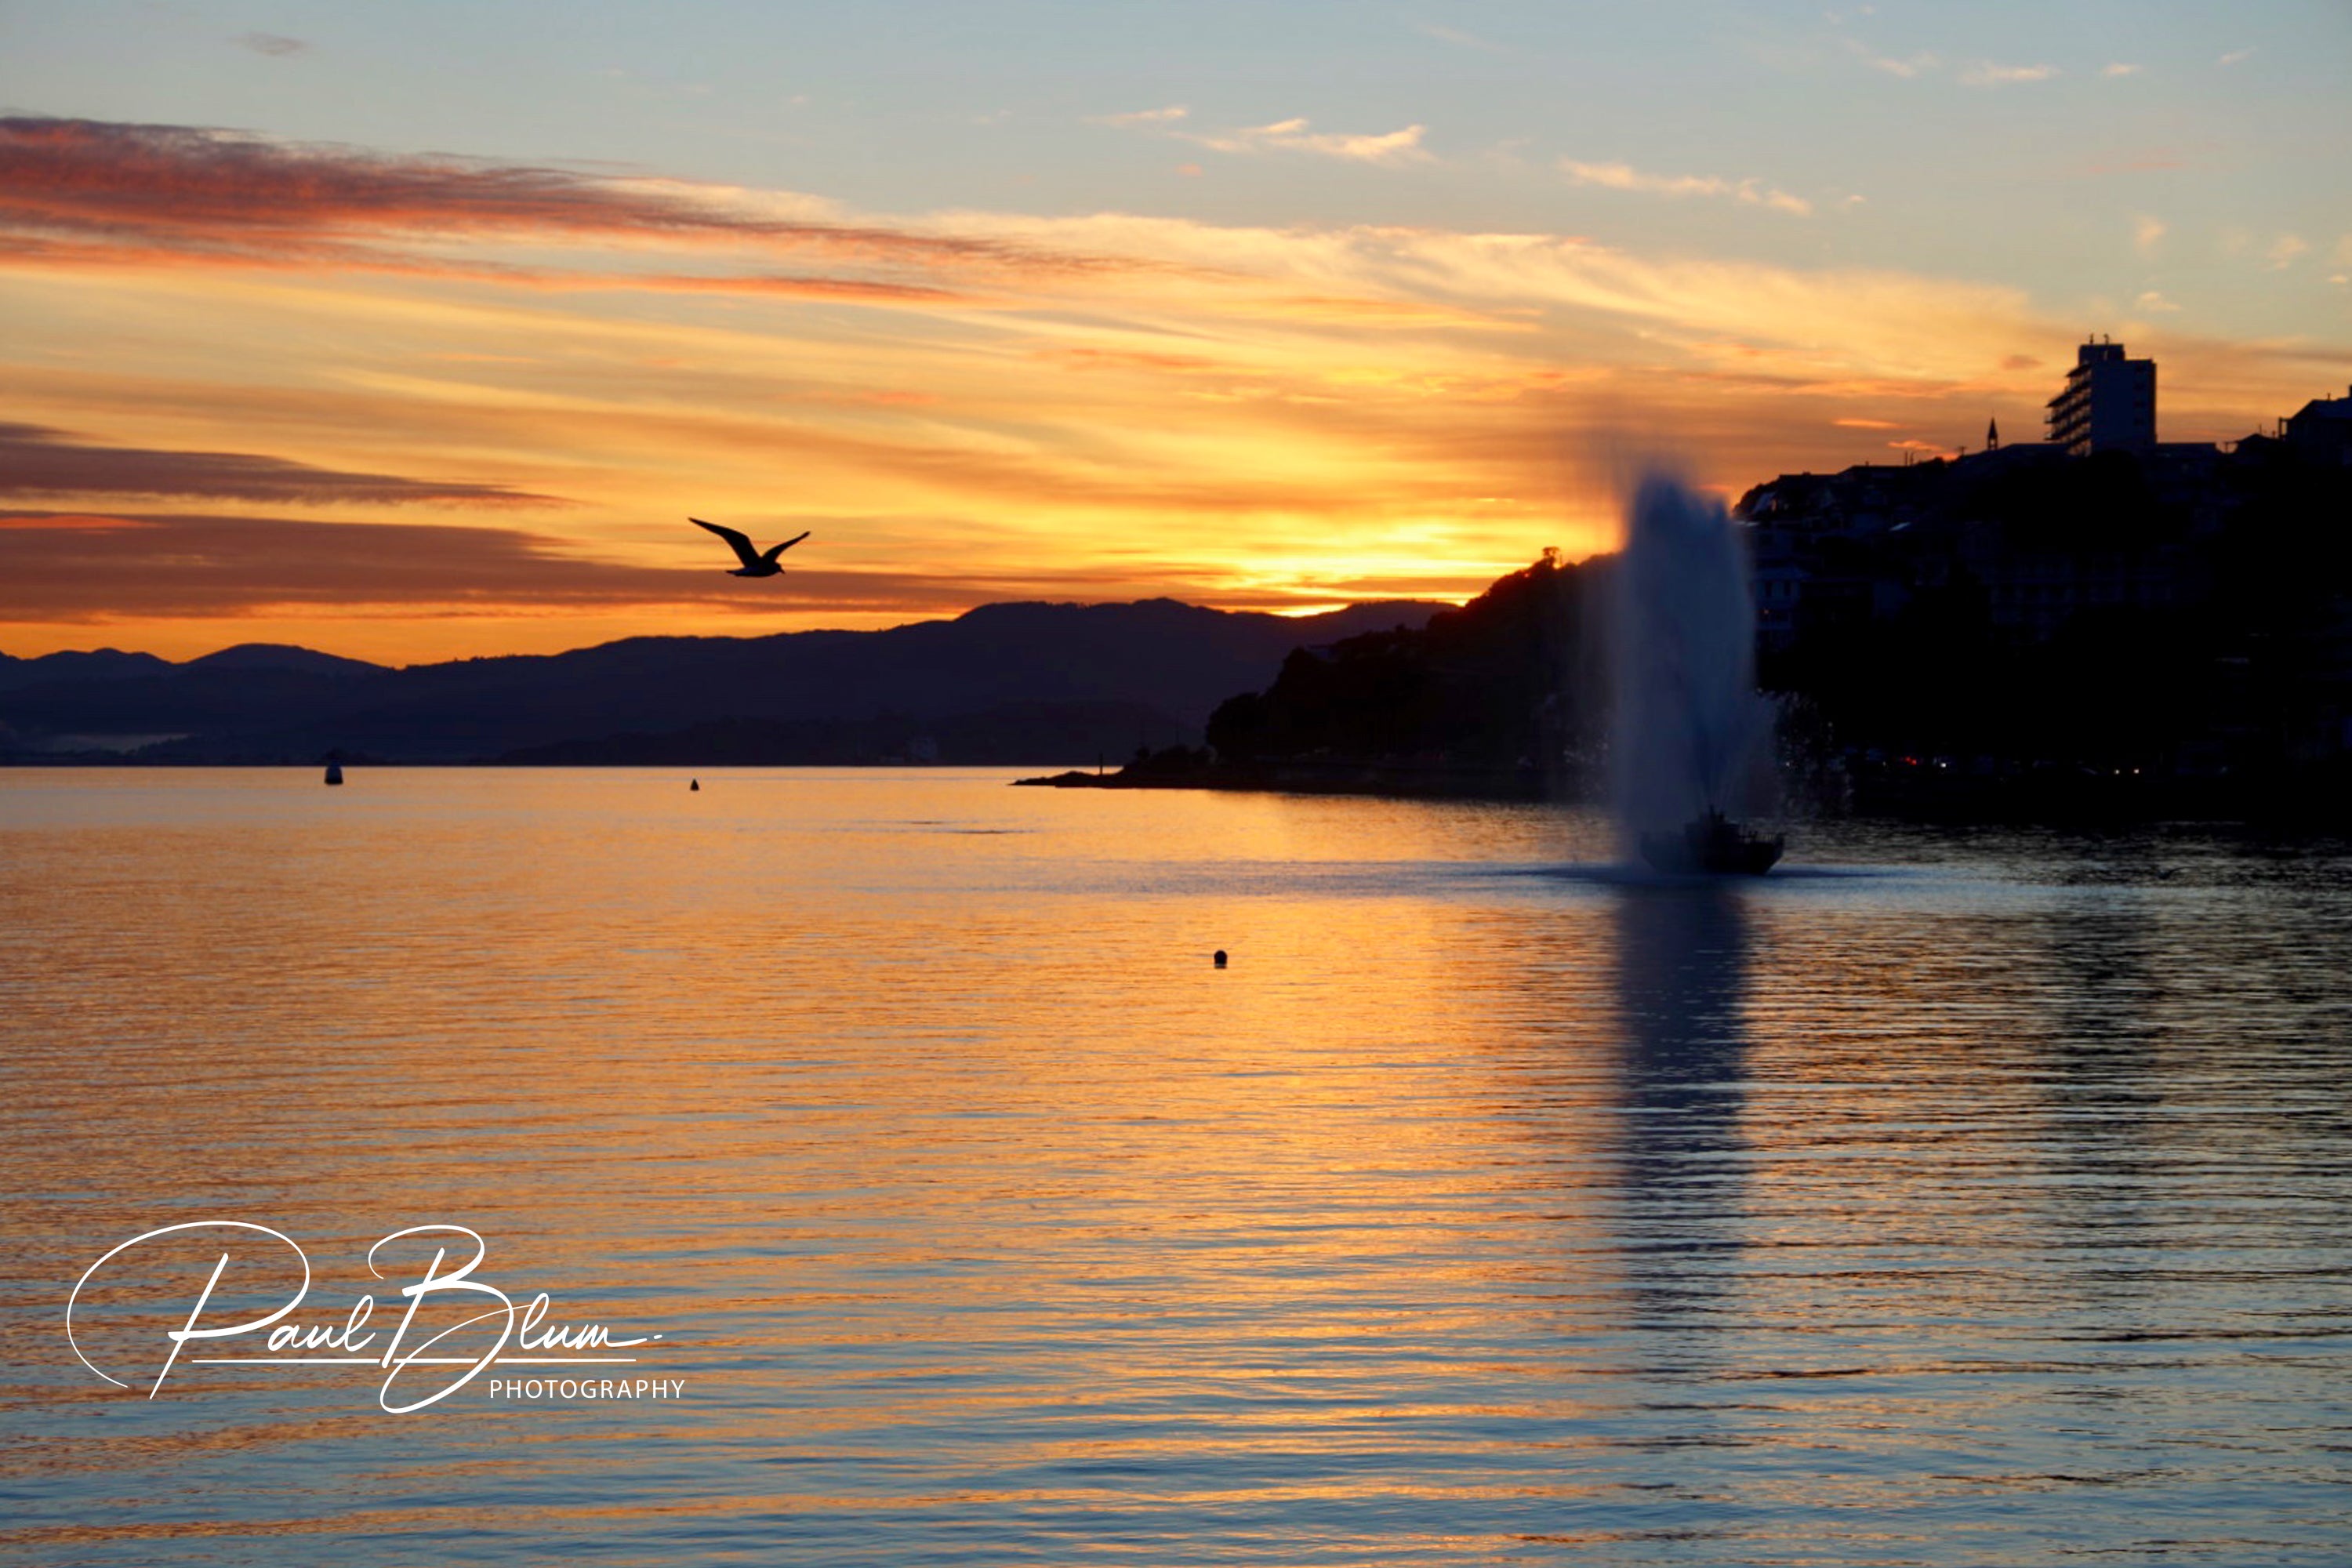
1689,724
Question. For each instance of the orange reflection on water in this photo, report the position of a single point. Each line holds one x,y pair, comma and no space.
966,1193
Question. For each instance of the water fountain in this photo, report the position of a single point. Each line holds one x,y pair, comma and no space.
1689,727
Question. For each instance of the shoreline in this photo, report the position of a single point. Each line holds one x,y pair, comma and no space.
2060,799
2306,801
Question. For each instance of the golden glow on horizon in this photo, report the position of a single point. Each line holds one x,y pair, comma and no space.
964,407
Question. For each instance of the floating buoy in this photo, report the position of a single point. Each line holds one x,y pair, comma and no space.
1221,958
696,785
334,773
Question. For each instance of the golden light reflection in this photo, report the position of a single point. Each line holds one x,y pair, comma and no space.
908,1108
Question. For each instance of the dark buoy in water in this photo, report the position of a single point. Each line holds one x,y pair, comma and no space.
1221,958
334,773
693,786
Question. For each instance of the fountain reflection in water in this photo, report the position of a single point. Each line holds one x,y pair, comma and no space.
1689,732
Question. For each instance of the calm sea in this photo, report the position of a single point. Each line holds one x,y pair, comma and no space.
1942,1199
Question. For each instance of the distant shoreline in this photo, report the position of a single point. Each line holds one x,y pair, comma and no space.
2298,803
2058,797
1394,781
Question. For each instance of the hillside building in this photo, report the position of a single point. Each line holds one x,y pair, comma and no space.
2324,428
2107,404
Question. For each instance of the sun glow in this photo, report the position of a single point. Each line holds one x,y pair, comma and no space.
480,408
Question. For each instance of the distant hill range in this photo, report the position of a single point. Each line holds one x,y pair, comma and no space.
1017,683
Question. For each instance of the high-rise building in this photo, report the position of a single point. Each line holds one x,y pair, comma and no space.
2109,402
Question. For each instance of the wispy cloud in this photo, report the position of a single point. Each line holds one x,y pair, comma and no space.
1907,67
276,43
1625,177
1456,37
79,567
36,460
1918,63
196,191
1293,135
83,567
1167,116
2119,68
2146,234
1071,398
2153,302
1393,147
2286,250
303,261
2235,56
1990,73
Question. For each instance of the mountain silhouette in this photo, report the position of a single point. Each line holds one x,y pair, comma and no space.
1067,679
281,655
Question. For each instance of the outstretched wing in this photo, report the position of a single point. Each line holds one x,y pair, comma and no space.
742,543
787,544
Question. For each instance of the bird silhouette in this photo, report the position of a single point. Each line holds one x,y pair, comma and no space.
755,565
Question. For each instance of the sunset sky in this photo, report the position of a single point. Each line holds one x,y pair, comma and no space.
413,332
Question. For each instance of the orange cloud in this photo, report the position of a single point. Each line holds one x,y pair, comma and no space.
1393,147
199,189
1625,177
1102,406
85,569
39,461
67,522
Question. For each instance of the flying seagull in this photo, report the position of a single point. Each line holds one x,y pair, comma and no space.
755,564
